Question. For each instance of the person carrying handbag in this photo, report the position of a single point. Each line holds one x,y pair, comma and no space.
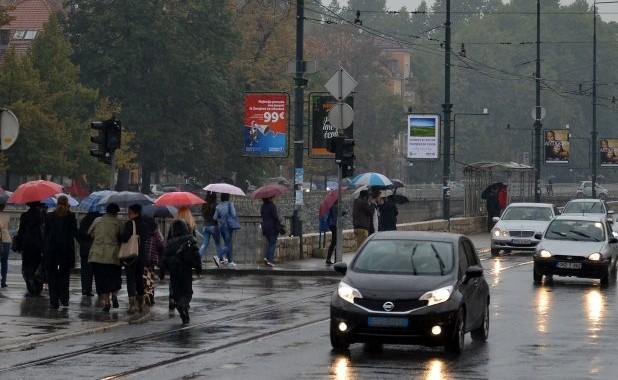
225,215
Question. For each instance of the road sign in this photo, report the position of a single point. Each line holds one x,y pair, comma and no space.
9,129
341,115
341,84
543,113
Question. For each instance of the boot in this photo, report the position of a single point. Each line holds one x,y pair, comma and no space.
132,306
139,303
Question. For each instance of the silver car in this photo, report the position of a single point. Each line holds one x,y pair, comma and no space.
520,222
586,207
579,246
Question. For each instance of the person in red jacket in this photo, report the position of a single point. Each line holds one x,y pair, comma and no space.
503,198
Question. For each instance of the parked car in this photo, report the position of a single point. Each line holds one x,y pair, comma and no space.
586,207
580,246
515,230
584,190
411,288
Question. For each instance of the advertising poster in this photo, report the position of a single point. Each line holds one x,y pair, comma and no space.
265,121
423,137
557,146
608,149
321,128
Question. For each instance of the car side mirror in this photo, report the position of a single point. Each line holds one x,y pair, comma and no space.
610,212
610,220
538,236
473,271
341,268
495,219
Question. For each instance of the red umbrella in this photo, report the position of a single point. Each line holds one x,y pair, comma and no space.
34,191
269,191
179,199
329,200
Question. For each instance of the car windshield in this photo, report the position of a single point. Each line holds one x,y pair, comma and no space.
528,213
415,257
578,230
584,208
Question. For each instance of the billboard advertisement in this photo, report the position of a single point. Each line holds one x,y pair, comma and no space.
608,149
557,146
423,137
321,129
265,124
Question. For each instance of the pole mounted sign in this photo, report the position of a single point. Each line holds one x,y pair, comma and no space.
9,129
423,137
322,130
340,85
265,124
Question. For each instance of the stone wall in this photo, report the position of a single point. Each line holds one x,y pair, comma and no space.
287,247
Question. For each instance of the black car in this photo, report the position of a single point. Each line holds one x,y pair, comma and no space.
411,288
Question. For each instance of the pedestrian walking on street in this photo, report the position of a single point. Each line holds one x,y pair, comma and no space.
85,243
153,249
103,256
184,214
180,257
5,220
59,252
388,214
271,229
225,215
332,226
490,194
134,270
211,227
29,242
361,218
375,202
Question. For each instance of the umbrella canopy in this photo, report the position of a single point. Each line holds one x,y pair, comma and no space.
126,199
329,200
179,199
397,183
91,202
156,211
225,189
269,191
4,196
371,179
34,191
53,201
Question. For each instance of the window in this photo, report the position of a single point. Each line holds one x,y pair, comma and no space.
19,34
577,230
30,35
584,208
463,261
528,213
5,36
470,253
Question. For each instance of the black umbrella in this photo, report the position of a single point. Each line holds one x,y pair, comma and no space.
154,211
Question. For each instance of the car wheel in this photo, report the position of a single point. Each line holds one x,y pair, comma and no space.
338,342
482,332
457,337
605,279
537,277
495,252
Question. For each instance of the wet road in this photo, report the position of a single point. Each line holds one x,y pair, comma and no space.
277,328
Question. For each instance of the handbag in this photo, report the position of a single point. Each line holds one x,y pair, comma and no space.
130,249
232,220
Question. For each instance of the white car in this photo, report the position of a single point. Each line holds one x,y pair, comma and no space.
586,207
584,190
515,230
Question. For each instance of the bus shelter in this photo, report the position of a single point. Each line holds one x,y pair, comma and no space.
519,179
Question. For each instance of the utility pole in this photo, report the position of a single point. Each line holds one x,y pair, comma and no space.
593,137
537,122
447,107
299,96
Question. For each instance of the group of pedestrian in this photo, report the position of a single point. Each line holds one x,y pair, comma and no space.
220,222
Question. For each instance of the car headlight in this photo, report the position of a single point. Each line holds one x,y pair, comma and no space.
500,233
437,296
545,253
347,292
595,257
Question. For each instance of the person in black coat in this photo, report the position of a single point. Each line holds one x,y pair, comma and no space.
181,255
85,243
29,242
271,228
388,215
59,253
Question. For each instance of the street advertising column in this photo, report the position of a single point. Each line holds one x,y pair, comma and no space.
423,137
557,146
321,129
608,150
265,125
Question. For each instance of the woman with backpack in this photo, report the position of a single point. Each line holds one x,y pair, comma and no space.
180,257
225,215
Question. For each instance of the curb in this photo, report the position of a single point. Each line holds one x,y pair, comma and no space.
271,272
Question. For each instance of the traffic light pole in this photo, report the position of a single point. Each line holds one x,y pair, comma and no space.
299,148
447,107
537,122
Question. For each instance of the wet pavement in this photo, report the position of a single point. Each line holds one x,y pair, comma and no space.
275,327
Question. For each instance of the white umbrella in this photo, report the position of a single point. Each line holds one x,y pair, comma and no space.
225,189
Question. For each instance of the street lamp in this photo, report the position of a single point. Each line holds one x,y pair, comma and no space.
484,113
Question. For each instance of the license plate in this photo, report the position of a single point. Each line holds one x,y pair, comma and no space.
563,265
387,322
521,241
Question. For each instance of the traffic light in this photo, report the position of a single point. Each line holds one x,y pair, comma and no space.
99,140
114,132
107,139
343,148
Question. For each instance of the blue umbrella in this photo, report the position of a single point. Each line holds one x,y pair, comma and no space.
91,202
51,202
371,179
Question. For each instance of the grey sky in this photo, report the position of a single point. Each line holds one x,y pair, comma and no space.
413,4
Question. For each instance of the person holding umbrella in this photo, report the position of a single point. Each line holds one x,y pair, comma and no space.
227,219
5,219
29,242
59,252
211,227
271,228
332,226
